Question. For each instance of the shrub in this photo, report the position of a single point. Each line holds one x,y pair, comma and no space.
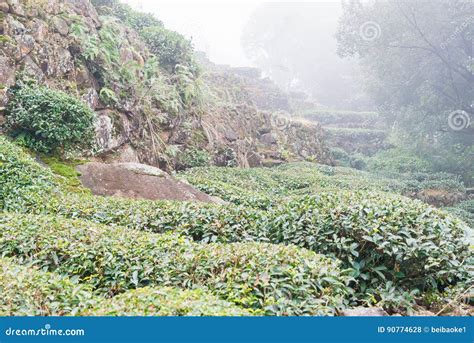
47,120
465,211
27,291
398,161
281,280
382,237
170,47
193,158
165,301
31,292
135,19
23,183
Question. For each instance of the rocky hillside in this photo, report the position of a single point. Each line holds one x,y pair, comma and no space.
153,102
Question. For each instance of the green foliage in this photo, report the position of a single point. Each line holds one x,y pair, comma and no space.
23,182
417,173
465,211
170,47
382,237
66,174
385,240
281,280
410,72
135,19
28,291
397,161
392,299
32,292
107,96
166,301
47,120
193,158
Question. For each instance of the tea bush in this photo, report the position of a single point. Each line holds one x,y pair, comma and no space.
281,280
28,291
23,182
47,120
262,186
397,160
465,211
165,301
382,237
32,292
192,158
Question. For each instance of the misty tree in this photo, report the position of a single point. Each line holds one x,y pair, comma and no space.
417,62
294,44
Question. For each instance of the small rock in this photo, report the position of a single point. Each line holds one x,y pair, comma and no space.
268,138
31,69
2,117
39,30
363,312
16,8
4,6
60,25
26,44
91,98
15,27
230,135
103,132
424,313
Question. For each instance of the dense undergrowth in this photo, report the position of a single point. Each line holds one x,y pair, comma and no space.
254,252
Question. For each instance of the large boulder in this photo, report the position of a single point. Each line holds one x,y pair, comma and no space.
137,181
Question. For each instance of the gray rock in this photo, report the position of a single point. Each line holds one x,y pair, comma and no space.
268,139
15,27
16,8
60,25
31,69
103,131
7,79
39,30
4,6
230,135
91,98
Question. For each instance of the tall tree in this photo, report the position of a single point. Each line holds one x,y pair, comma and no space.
294,44
418,64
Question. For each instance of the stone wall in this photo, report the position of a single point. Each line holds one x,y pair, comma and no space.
36,41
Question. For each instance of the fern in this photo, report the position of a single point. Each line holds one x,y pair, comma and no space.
108,96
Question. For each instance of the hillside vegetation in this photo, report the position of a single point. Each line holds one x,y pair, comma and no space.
96,80
258,252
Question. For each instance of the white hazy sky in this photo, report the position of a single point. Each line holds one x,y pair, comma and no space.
214,26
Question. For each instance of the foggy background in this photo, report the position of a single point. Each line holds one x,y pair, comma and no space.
293,43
